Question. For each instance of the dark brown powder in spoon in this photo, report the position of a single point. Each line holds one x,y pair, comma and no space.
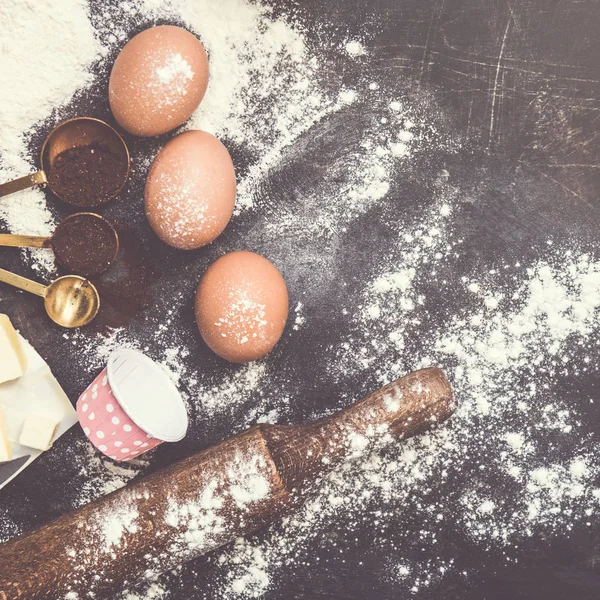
85,244
87,175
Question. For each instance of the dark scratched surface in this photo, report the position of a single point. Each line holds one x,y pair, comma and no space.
518,83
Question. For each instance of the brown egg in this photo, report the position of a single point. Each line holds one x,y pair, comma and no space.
158,80
190,190
241,306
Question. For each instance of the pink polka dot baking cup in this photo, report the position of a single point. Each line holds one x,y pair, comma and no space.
131,407
107,425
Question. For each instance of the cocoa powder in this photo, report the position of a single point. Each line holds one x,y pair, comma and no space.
85,244
87,175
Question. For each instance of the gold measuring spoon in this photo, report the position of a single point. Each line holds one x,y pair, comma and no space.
70,301
83,243
68,157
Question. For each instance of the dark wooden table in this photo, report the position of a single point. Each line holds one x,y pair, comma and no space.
518,84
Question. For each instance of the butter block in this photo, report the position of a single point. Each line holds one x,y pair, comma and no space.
38,431
13,362
36,392
5,445
13,422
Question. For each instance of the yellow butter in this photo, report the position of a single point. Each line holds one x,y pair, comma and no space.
13,420
38,432
5,445
13,362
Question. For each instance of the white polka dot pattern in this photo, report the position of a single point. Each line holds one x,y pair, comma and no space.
107,425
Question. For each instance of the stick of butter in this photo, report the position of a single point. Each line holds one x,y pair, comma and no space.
12,357
5,445
38,432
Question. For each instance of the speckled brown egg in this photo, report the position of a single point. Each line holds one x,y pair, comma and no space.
158,80
190,190
241,306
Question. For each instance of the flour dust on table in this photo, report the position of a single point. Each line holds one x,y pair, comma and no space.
518,462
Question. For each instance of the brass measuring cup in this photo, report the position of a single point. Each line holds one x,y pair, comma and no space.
74,252
75,133
70,301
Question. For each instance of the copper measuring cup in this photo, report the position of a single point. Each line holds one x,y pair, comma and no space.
83,251
75,133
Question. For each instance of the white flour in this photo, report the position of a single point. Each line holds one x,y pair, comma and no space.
46,50
235,389
153,592
8,528
523,329
244,482
98,475
251,577
57,43
121,521
176,67
355,48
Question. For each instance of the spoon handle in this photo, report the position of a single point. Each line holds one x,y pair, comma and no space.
24,241
23,183
22,283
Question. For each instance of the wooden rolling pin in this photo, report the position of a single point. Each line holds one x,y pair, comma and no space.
209,499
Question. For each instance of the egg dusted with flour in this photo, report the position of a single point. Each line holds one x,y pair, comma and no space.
190,190
158,80
241,306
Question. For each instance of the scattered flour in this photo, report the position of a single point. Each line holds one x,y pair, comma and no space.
8,527
203,523
177,67
299,318
95,474
251,486
234,389
505,359
120,521
252,578
355,48
516,461
152,592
